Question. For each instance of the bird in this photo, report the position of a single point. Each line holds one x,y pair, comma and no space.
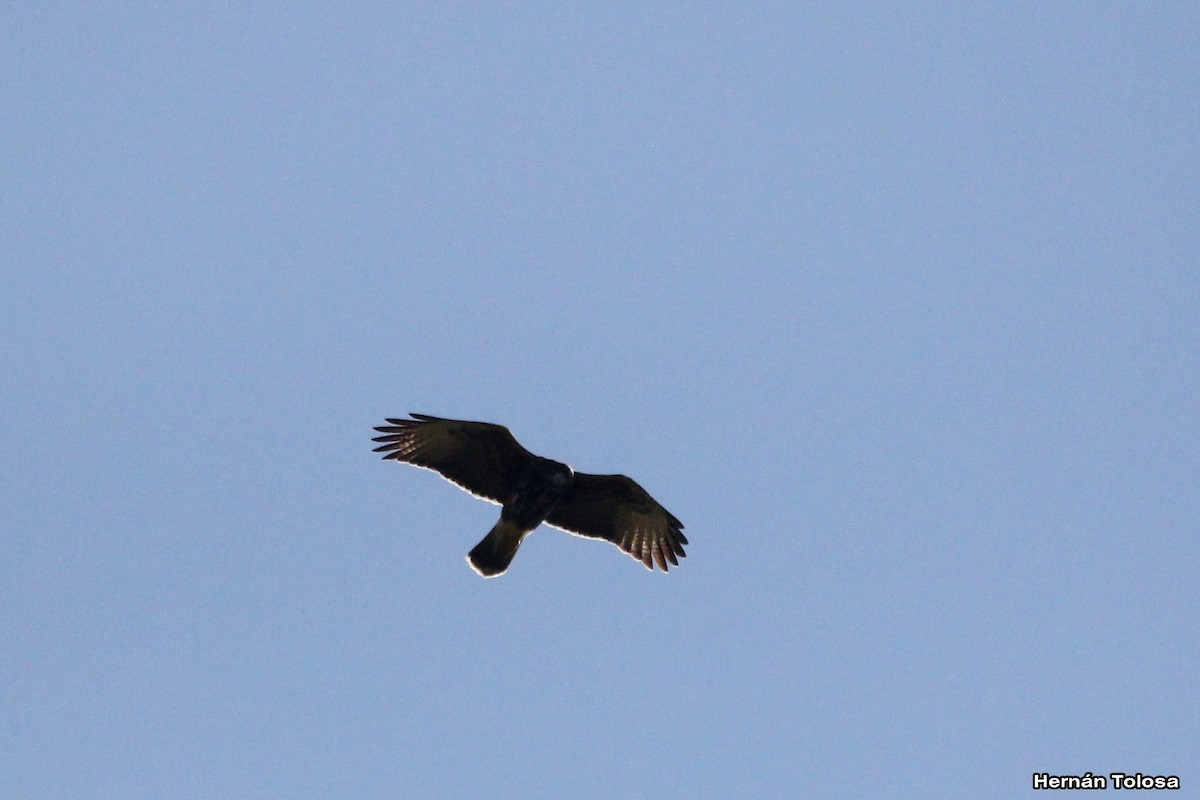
486,460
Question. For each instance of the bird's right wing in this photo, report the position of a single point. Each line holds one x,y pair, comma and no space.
477,456
615,508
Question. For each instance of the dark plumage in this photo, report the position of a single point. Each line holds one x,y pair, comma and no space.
489,463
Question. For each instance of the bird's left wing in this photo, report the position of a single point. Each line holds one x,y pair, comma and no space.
615,508
478,456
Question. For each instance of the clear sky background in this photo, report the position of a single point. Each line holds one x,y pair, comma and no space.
897,307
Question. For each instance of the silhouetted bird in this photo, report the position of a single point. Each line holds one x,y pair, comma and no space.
488,462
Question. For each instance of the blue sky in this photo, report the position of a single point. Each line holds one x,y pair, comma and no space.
896,306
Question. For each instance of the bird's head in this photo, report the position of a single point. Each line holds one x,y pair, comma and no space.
558,475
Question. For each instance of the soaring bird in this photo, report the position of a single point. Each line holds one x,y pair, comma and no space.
487,461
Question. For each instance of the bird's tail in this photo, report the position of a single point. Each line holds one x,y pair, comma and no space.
495,552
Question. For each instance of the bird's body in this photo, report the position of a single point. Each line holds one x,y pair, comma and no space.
487,461
534,495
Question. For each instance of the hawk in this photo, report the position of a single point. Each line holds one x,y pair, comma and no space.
488,462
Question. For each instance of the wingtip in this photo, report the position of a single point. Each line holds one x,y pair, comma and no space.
413,419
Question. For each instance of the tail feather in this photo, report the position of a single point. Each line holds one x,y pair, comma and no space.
495,552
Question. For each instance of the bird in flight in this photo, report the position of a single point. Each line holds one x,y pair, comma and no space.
489,463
